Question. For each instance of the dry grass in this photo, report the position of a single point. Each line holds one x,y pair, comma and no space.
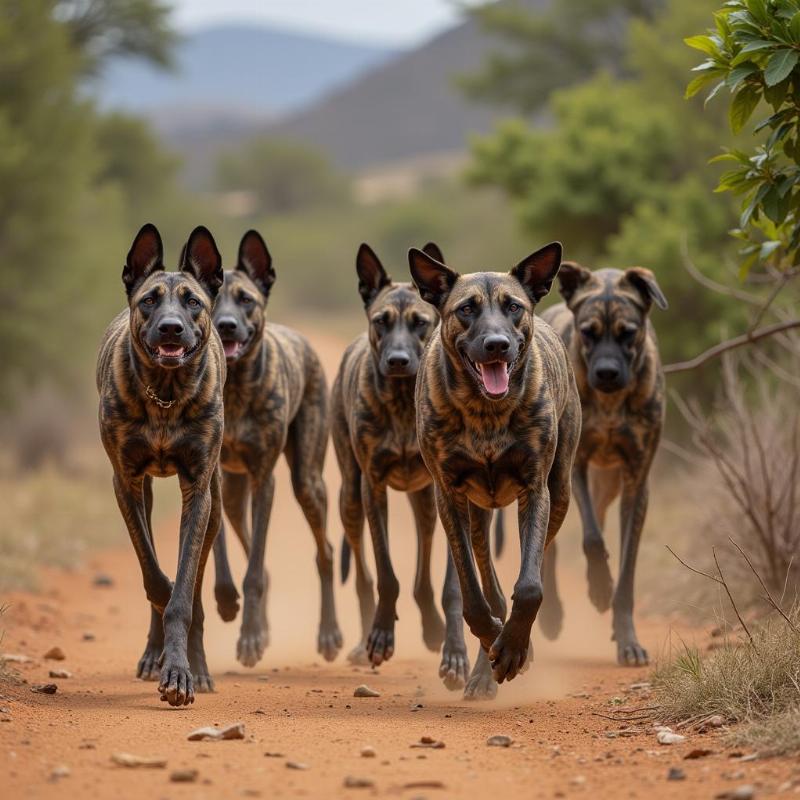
754,683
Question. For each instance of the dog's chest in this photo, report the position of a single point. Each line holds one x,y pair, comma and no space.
610,436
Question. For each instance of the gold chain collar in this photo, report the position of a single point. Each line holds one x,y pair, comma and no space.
157,400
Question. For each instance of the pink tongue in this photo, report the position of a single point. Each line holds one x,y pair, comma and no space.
495,377
170,350
230,348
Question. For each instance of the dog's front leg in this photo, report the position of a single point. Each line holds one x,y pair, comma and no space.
254,635
633,509
454,668
509,653
176,684
601,584
454,513
380,642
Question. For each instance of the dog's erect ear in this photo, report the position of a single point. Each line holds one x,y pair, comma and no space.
571,277
433,279
537,272
646,284
256,262
201,259
434,251
145,257
372,276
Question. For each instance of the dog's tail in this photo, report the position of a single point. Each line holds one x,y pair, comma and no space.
499,532
344,559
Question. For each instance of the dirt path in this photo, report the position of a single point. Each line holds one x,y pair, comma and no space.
296,708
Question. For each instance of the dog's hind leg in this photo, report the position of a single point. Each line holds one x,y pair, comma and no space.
225,591
135,498
196,650
454,669
601,584
481,684
351,511
551,614
423,504
305,452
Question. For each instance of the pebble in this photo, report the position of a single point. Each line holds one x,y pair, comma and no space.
132,761
60,673
368,752
364,691
184,776
676,774
15,658
499,740
234,731
45,688
698,752
741,793
88,636
55,654
101,579
61,771
430,742
296,765
668,737
351,782
272,754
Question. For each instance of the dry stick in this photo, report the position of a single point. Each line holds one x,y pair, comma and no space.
731,344
769,597
711,284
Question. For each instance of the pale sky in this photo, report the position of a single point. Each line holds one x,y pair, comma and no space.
401,22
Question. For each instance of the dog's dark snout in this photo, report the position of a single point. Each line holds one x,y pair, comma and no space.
398,358
607,371
226,325
170,326
497,344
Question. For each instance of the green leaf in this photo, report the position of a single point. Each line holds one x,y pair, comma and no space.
780,65
754,47
768,248
794,27
775,95
696,84
704,44
738,74
742,107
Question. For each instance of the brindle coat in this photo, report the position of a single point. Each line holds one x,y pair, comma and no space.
276,401
374,432
612,346
160,374
487,446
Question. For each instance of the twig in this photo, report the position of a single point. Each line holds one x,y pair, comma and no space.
711,284
692,569
731,344
769,597
733,602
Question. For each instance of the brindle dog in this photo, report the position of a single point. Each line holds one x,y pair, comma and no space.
160,375
276,401
374,432
498,418
612,346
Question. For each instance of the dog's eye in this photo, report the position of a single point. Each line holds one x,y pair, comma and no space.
467,309
421,323
627,334
193,302
589,334
149,301
513,308
245,300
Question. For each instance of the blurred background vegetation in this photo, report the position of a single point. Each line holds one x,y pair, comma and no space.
528,121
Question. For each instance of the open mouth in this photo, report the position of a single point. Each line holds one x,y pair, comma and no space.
171,353
492,375
234,348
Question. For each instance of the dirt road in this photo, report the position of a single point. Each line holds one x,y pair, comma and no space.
299,710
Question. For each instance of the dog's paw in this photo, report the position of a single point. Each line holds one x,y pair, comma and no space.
454,669
329,641
380,645
250,647
433,630
509,653
176,685
227,597
598,575
481,684
551,617
359,656
631,654
147,669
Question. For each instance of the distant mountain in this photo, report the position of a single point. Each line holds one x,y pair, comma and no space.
406,107
244,72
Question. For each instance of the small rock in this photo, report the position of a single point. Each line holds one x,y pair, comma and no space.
499,740
88,636
271,754
642,686
741,793
296,765
61,771
234,731
365,691
698,752
676,774
60,673
424,785
351,782
430,742
368,752
184,775
133,762
55,654
668,737
44,688
15,658
716,721
103,580
578,780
